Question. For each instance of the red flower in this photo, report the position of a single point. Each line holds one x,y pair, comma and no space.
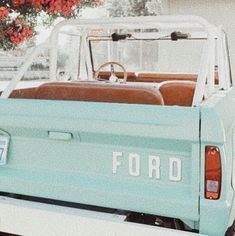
17,3
63,7
19,31
3,13
13,33
40,4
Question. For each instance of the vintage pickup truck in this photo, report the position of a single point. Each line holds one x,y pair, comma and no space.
132,134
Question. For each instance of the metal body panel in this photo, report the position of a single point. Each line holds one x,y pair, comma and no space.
76,170
217,121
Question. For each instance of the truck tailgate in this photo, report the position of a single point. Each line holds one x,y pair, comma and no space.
138,158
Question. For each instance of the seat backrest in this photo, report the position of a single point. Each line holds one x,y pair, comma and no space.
99,92
26,93
158,78
177,93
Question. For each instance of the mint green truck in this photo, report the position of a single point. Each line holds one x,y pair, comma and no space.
132,133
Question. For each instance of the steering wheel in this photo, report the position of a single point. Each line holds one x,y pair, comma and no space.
111,63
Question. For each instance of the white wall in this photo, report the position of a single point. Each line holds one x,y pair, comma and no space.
218,12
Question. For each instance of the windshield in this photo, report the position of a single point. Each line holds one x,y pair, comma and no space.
149,55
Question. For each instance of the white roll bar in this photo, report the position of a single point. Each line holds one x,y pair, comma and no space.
206,74
206,71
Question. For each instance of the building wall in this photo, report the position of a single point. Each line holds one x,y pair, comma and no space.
218,12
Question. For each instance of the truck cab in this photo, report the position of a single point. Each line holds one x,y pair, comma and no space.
136,120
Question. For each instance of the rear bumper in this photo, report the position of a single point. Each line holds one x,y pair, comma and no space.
37,219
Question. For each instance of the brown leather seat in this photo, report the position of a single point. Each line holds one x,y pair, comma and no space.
96,92
178,93
153,77
24,93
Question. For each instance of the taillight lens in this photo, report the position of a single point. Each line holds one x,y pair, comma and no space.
212,173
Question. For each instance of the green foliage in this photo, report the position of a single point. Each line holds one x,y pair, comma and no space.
122,8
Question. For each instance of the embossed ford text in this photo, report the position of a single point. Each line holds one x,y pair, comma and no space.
174,166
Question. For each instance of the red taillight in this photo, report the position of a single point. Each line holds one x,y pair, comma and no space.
212,173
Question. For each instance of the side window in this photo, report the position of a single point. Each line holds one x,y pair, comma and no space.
39,69
68,61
